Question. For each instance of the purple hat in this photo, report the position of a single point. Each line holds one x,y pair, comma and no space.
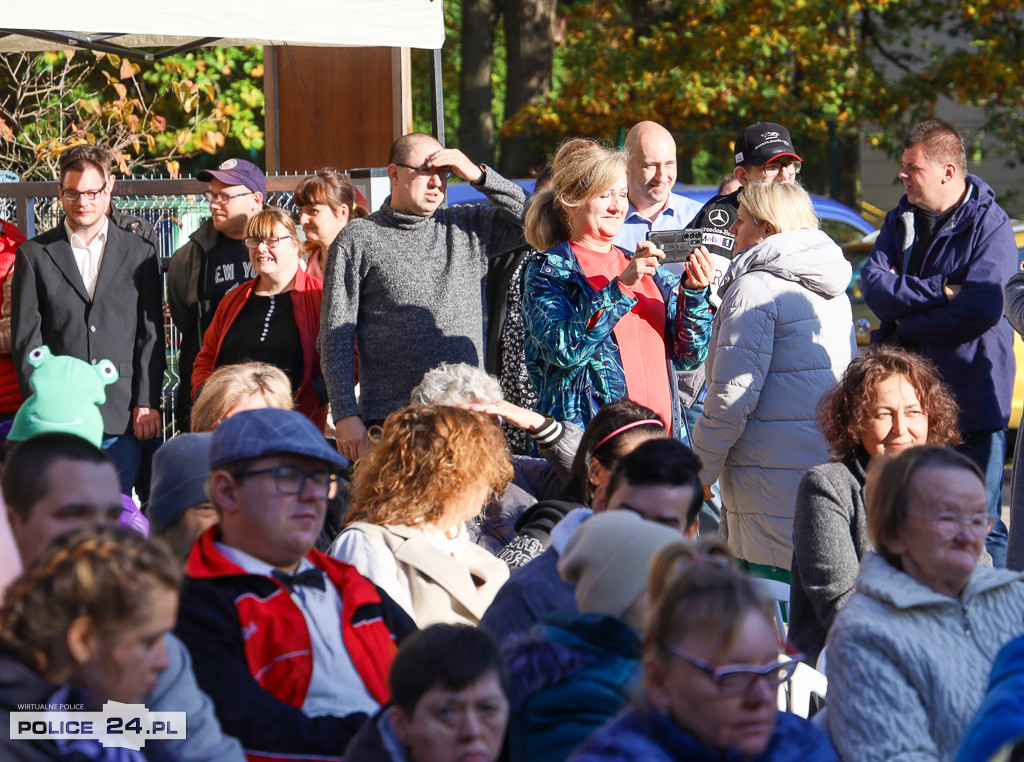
269,431
760,143
237,172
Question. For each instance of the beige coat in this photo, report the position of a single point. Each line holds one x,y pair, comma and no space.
428,583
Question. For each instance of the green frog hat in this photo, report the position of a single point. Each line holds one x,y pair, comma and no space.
66,393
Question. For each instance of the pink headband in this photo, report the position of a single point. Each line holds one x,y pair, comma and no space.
627,427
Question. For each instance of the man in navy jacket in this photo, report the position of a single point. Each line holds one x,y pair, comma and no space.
935,279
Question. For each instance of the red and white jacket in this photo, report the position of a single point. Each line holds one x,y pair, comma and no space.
253,656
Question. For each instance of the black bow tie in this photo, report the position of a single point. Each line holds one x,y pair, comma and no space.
309,578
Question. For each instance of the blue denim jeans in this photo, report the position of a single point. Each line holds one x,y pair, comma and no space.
988,450
126,452
711,511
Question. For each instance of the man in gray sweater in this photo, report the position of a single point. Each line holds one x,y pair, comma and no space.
404,285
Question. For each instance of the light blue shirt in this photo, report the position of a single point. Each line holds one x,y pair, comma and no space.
676,216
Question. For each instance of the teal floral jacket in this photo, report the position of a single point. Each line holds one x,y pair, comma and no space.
571,352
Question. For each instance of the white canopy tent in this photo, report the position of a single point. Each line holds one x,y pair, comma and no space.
150,30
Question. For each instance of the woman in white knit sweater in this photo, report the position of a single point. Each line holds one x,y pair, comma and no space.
910,653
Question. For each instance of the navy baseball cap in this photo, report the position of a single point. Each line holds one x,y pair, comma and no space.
269,431
237,172
760,143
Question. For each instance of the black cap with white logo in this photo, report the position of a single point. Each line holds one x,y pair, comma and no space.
760,143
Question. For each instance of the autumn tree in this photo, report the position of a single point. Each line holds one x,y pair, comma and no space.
151,115
828,70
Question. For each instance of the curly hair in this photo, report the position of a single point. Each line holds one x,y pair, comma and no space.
698,589
843,411
105,573
422,459
456,384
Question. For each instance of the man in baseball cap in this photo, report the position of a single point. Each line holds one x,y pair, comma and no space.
763,153
292,646
212,262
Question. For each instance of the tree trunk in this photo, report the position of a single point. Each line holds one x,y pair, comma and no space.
476,122
529,37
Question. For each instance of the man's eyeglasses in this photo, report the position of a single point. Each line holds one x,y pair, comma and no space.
739,679
223,198
270,243
443,172
949,524
791,166
290,480
73,195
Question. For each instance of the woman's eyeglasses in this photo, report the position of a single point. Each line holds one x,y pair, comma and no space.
270,243
949,524
739,679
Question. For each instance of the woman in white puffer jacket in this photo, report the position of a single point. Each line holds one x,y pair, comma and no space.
782,337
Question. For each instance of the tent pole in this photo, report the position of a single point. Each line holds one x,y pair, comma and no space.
272,110
437,95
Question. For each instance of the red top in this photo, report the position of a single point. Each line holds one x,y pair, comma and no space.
640,333
10,394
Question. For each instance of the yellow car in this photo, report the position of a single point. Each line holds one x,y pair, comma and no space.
864,320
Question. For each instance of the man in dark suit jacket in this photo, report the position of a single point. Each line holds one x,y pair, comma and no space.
91,290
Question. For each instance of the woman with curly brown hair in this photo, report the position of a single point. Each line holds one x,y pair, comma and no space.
85,624
888,400
428,471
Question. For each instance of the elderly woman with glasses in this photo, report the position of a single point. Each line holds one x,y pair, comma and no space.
711,672
910,653
274,319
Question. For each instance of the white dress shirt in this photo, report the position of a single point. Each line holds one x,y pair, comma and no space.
335,689
88,256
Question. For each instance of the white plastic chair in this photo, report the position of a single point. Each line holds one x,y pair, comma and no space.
779,591
795,696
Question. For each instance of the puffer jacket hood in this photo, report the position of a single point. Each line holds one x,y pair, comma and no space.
806,256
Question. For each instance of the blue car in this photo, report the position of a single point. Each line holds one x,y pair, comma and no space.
841,222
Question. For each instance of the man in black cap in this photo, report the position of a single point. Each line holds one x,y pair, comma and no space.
763,153
212,262
294,647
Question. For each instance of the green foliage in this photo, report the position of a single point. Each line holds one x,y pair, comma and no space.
705,66
231,79
150,114
451,69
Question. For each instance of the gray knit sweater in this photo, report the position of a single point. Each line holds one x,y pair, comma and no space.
407,291
829,539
